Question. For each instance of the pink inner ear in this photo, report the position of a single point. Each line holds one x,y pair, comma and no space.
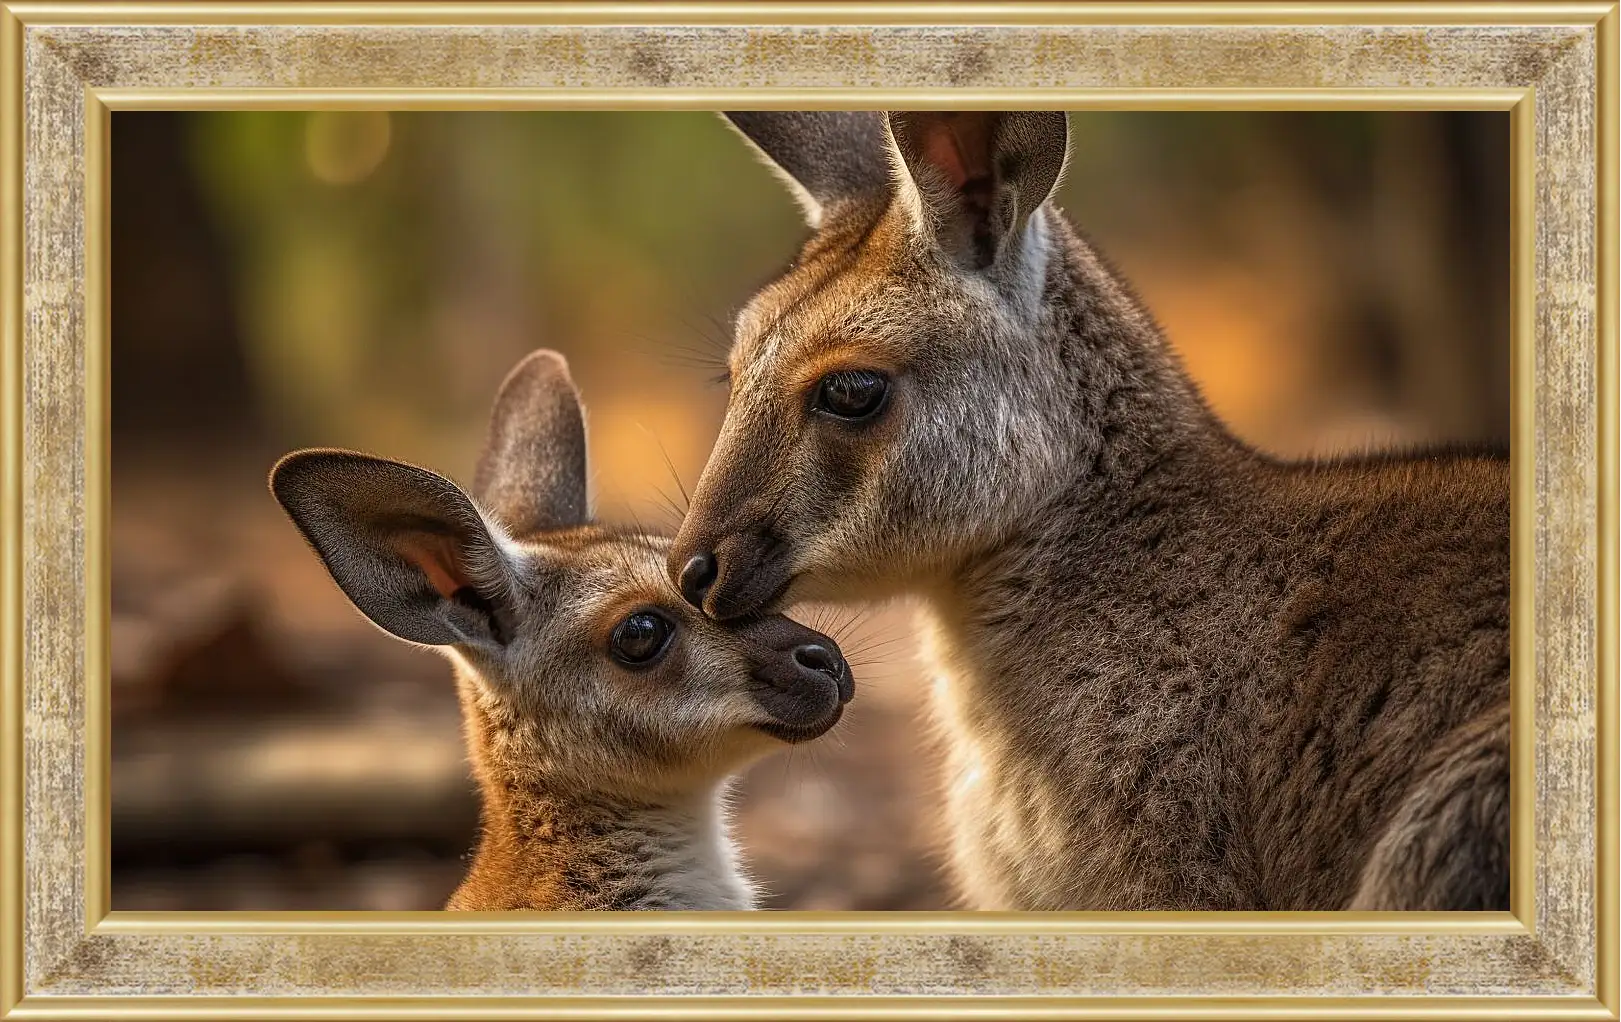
435,556
940,151
959,146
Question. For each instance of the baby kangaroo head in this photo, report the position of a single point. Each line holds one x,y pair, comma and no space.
891,399
580,665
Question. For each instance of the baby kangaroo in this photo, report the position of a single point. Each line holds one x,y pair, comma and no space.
1172,673
604,717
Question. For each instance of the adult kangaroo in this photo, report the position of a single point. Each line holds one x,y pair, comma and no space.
1173,673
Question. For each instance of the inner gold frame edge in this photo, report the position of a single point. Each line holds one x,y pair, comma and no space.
101,919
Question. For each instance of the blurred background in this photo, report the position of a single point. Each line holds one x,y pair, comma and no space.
1334,281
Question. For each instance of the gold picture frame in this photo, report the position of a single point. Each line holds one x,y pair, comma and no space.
1553,66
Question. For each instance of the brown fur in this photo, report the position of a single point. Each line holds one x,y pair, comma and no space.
1172,673
603,780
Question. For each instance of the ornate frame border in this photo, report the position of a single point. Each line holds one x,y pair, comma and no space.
66,65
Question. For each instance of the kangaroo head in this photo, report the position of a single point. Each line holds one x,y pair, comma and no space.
894,395
579,663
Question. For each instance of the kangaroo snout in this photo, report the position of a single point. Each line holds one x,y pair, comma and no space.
696,577
818,659
802,678
810,668
735,576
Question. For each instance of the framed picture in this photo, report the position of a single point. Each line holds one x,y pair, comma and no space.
1249,369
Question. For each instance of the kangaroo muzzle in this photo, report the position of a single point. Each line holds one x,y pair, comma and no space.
800,677
737,575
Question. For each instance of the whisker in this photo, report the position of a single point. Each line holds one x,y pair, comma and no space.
882,647
709,359
686,499
667,503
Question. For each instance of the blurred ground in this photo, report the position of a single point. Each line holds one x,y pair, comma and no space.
1333,281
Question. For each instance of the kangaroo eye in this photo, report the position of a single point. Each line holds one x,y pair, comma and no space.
853,394
641,638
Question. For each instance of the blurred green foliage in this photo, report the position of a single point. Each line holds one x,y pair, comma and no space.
1325,274
604,235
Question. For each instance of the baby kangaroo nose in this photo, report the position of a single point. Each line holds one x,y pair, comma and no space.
697,575
815,658
818,658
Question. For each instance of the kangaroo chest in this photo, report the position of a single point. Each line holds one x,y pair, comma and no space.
1069,797
662,862
1008,824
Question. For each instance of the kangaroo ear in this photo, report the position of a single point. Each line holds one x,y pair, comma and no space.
532,473
973,179
827,157
406,546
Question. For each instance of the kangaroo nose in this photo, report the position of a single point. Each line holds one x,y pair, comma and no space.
818,658
697,575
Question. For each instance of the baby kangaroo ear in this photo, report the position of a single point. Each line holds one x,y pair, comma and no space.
407,547
532,473
826,157
972,180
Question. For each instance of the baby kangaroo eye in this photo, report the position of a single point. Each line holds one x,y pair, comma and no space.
641,638
851,394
